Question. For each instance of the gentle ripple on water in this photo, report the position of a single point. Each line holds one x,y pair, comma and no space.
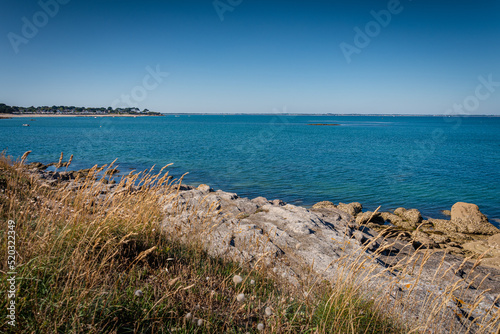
422,162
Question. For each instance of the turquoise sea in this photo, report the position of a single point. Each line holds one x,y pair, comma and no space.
428,163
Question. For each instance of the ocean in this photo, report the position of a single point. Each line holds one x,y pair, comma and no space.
428,163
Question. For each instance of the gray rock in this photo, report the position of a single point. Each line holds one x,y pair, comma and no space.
204,188
295,243
260,201
278,202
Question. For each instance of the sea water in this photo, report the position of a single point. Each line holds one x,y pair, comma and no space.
428,163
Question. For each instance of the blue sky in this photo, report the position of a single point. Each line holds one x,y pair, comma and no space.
263,56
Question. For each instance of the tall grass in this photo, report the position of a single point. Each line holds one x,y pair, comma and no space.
91,260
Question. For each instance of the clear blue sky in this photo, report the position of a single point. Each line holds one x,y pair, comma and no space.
263,56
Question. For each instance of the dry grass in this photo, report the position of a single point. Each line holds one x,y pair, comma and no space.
91,260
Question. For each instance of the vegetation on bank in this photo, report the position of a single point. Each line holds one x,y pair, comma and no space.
72,110
98,262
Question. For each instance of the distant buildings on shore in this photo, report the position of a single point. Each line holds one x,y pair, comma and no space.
72,110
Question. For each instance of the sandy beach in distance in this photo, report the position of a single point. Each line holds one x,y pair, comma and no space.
49,115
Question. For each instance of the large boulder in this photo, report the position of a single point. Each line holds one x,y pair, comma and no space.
468,219
352,208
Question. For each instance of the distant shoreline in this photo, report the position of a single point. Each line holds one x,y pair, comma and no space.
235,114
329,115
67,115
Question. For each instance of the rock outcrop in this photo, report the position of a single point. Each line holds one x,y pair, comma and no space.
352,208
295,243
410,266
468,219
324,205
410,219
369,217
489,247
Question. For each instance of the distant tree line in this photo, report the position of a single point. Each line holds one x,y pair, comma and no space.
6,109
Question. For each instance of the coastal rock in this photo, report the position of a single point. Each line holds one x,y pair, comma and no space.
399,211
300,245
352,208
494,241
370,217
490,247
422,240
468,219
439,238
260,201
407,219
204,188
324,205
37,165
461,238
287,239
443,225
226,196
410,218
392,218
278,202
446,212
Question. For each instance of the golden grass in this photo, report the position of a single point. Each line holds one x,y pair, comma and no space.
90,260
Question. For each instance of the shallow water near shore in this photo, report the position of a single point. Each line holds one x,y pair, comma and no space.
428,163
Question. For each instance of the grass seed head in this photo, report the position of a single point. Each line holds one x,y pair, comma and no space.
237,279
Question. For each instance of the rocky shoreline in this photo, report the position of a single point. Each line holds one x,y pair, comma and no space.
467,233
440,272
